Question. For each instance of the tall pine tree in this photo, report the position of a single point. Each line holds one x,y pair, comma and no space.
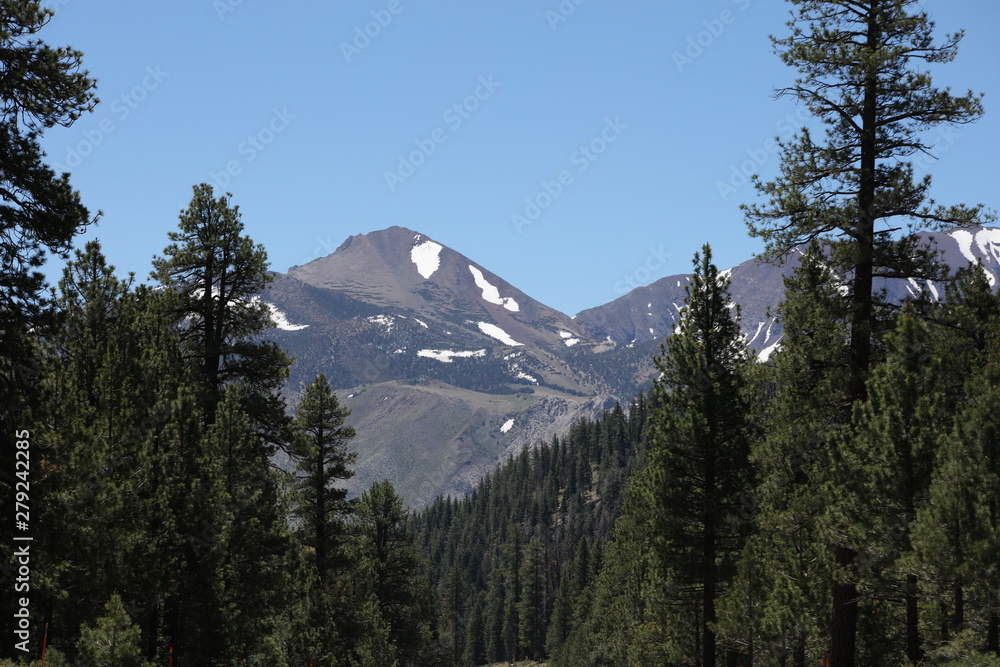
698,480
860,76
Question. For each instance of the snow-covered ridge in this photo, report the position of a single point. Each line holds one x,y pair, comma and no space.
988,242
446,356
427,257
494,331
490,293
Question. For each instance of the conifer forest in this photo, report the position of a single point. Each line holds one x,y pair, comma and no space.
836,503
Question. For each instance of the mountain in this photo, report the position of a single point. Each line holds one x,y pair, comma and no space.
649,313
448,368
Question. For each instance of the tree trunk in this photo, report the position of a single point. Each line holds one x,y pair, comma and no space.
913,644
959,624
993,630
844,621
845,605
708,565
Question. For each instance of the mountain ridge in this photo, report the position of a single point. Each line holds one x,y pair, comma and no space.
471,369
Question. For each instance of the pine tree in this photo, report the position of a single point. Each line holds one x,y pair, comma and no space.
956,535
42,87
216,276
114,640
805,419
111,369
389,570
254,538
898,429
531,609
322,460
859,64
697,480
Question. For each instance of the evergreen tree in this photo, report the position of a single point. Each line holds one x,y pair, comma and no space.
956,535
805,419
254,537
859,65
112,367
216,276
114,640
898,429
452,603
42,87
697,481
390,572
322,460
531,610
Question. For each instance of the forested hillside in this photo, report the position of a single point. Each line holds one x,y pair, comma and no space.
835,501
510,558
703,517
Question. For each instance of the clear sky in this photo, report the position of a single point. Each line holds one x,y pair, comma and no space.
626,122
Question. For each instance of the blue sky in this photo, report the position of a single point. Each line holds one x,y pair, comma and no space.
625,123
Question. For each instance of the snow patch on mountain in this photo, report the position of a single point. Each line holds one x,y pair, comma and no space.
427,257
279,318
507,425
494,331
964,239
933,288
988,241
490,293
568,338
766,353
447,356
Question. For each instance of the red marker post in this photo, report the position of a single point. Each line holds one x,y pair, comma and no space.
171,656
826,659
45,643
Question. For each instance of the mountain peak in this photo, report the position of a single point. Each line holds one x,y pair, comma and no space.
399,268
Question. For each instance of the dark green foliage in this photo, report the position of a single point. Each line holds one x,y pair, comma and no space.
797,467
114,640
521,582
389,575
861,75
695,491
40,213
215,277
322,460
